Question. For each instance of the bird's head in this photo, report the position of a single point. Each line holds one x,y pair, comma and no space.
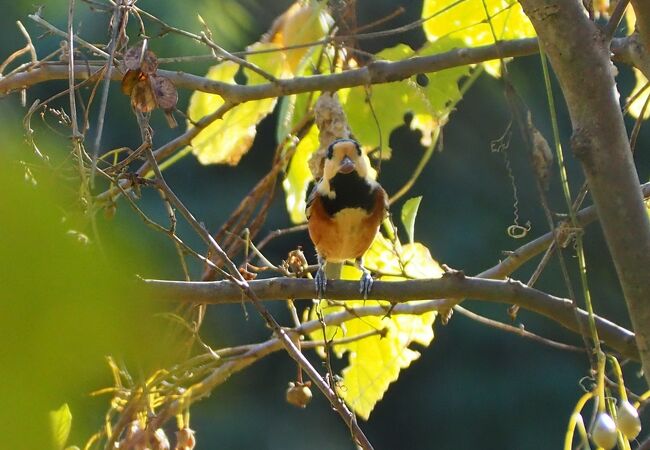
344,157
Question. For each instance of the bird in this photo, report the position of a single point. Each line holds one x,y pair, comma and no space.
344,211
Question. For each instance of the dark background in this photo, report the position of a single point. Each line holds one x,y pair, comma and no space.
474,386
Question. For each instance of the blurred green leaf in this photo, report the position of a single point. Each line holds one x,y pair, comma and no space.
64,306
61,422
409,213
466,21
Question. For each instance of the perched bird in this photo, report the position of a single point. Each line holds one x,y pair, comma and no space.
344,211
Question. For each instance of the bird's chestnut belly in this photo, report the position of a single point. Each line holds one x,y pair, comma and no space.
346,235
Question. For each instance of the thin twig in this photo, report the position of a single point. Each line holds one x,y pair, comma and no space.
520,331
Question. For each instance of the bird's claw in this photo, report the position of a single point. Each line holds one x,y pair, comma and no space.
321,282
366,284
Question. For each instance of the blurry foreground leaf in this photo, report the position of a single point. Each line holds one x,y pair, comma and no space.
374,362
64,306
60,422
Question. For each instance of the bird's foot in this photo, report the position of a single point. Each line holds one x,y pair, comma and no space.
366,284
321,282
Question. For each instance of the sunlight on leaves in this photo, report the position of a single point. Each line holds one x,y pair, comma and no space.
466,21
226,140
60,422
375,361
389,103
302,23
298,176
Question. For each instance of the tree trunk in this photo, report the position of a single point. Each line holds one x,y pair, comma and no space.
579,54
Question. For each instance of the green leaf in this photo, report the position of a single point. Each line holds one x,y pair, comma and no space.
226,140
466,21
60,422
375,111
409,212
298,176
376,361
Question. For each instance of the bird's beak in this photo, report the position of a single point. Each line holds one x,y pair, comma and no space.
347,165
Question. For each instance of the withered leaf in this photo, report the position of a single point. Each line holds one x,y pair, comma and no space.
142,96
165,92
130,79
134,59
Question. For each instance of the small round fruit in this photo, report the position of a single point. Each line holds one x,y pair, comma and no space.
298,394
627,419
604,433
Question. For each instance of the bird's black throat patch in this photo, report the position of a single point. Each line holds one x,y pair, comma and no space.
352,191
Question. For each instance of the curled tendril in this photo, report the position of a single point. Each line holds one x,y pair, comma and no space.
517,231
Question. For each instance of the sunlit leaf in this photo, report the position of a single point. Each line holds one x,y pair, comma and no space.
374,112
466,20
302,23
637,106
226,140
409,213
298,176
375,361
60,422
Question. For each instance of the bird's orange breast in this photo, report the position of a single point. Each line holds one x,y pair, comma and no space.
348,233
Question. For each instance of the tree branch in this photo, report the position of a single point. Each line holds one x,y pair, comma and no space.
642,12
375,72
511,292
579,53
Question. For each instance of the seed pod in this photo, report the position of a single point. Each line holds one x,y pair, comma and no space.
604,433
298,394
627,419
185,439
159,440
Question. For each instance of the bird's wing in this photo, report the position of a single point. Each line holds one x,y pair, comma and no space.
310,200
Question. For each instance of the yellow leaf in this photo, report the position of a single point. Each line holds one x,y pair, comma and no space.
298,176
375,361
638,104
466,20
302,23
226,140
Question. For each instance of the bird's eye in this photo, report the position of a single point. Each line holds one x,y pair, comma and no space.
330,152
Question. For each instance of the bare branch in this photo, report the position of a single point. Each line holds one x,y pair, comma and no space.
373,73
510,292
